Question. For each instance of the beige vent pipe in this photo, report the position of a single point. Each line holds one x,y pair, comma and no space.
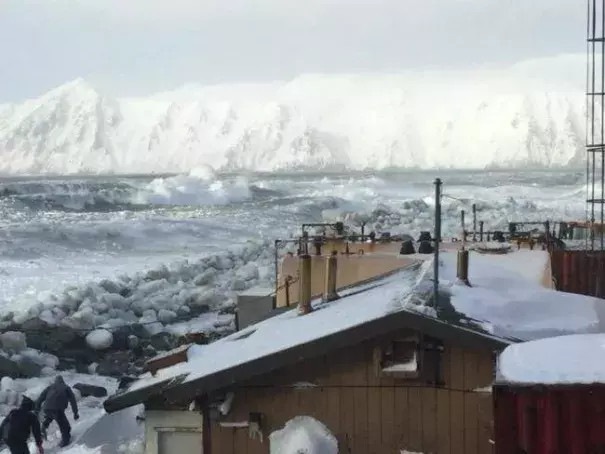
331,272
462,267
304,285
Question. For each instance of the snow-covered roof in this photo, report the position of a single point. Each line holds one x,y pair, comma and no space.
507,302
356,306
507,297
561,360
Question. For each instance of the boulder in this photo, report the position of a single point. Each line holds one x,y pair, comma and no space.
13,341
28,367
114,364
9,367
166,316
162,341
90,390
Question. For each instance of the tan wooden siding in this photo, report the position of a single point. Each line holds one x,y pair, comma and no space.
371,414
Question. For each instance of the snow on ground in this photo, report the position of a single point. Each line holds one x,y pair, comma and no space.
507,300
291,329
303,434
562,360
90,409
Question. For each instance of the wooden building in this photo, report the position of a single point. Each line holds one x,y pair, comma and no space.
384,380
379,368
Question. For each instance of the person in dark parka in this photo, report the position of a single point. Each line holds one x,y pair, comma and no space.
18,426
53,401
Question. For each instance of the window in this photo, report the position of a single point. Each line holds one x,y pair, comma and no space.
179,440
411,358
401,358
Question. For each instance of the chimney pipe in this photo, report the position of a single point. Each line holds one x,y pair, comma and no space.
330,284
304,286
462,268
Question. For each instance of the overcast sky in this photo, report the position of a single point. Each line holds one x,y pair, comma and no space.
133,47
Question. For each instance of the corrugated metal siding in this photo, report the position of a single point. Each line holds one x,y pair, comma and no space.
549,420
581,272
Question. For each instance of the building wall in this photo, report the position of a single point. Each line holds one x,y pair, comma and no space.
368,414
184,421
351,269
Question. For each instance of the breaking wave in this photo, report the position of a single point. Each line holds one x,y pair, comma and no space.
194,189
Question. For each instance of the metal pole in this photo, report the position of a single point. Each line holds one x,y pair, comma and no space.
437,241
276,263
474,222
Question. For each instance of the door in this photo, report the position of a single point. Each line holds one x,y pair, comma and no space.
179,440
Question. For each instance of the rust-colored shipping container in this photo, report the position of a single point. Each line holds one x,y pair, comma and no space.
549,419
581,272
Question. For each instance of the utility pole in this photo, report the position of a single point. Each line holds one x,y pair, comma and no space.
437,242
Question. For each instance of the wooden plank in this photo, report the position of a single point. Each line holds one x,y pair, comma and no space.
360,398
429,419
471,417
374,402
222,439
415,419
401,418
332,392
486,423
348,380
443,421
456,367
259,399
389,437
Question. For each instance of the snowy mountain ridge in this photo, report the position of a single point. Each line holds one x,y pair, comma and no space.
485,118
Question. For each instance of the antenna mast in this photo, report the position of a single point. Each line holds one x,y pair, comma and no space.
595,125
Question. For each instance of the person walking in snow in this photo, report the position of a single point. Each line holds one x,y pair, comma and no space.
18,426
53,401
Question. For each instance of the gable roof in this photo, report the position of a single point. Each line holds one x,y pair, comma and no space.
362,313
506,304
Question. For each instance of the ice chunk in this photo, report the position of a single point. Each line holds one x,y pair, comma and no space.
303,434
13,341
99,339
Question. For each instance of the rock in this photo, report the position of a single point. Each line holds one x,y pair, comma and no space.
184,311
13,341
238,285
153,328
205,278
114,364
9,367
121,336
28,367
126,381
162,341
99,339
110,286
133,341
165,316
149,351
90,390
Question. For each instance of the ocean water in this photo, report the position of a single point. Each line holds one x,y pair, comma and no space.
61,233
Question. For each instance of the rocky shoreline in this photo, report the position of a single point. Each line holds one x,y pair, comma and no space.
112,328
